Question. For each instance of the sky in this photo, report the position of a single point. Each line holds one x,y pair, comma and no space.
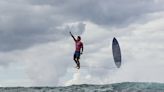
37,50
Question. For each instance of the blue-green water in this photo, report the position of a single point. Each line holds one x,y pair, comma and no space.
118,87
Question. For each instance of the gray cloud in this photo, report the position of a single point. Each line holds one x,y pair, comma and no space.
24,25
29,22
115,13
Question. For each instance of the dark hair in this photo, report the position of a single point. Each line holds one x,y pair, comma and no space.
79,37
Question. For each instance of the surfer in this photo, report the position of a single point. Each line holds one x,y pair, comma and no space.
78,50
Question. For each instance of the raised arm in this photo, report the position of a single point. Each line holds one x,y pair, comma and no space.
72,36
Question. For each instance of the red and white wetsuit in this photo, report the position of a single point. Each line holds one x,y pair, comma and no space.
78,45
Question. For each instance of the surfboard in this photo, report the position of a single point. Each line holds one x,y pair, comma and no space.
116,52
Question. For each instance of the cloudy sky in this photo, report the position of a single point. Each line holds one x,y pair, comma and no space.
36,48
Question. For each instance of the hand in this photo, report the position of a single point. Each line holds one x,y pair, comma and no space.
70,33
81,53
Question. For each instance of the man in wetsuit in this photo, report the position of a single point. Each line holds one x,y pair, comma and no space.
78,50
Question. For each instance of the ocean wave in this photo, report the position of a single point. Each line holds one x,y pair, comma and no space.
118,87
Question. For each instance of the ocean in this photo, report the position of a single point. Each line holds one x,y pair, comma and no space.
117,87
